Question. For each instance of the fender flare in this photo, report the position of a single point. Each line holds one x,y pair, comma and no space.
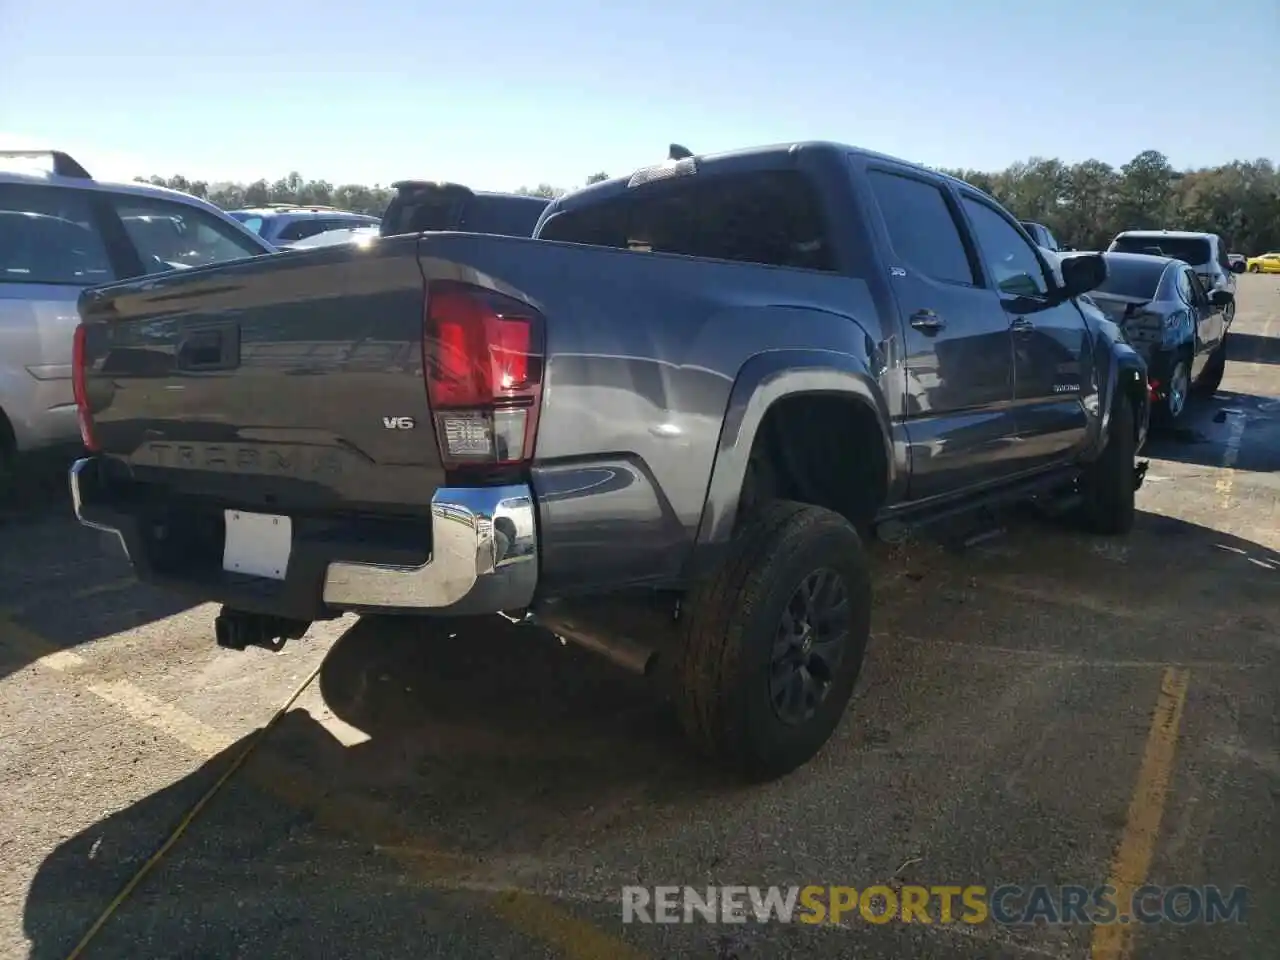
1125,365
762,381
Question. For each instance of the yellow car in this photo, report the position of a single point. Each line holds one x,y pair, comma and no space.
1266,263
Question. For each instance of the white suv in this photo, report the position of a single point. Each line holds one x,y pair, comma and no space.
62,231
1204,252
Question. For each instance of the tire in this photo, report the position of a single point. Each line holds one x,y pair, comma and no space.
1254,268
1173,404
1108,486
1214,369
730,670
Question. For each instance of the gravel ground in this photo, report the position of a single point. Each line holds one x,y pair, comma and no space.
1044,709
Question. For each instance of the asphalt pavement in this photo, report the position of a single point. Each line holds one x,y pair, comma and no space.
1044,708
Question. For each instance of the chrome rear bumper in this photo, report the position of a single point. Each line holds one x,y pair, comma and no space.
484,557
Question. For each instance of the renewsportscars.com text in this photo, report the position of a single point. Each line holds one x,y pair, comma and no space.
1006,904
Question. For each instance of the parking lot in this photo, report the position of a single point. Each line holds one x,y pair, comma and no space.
1042,708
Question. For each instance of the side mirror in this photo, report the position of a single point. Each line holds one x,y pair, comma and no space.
1220,298
1237,266
1082,273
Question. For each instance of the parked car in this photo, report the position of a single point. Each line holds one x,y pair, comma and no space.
1042,236
1264,263
662,428
1179,328
1205,252
1234,258
284,224
60,231
358,235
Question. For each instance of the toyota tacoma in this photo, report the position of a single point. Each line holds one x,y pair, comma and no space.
663,427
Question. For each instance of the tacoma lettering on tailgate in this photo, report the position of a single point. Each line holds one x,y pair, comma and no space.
287,461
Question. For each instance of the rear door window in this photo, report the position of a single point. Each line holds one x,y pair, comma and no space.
171,236
771,217
50,235
922,229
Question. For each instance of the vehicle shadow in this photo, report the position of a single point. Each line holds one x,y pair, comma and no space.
35,488
486,755
62,584
486,745
1253,348
1238,430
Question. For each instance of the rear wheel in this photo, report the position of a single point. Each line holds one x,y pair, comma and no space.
772,644
1254,268
1109,485
1170,408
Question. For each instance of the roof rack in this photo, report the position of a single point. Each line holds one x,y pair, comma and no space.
64,165
297,206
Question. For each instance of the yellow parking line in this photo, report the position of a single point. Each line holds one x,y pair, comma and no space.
34,648
528,913
165,717
111,586
1146,808
374,823
574,938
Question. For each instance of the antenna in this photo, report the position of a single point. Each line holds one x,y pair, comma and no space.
677,152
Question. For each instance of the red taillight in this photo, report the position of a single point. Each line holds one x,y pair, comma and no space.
482,359
1153,389
79,389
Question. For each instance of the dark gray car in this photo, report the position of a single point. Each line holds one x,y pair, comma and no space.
1169,317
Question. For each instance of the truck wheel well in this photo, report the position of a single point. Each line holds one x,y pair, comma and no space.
822,449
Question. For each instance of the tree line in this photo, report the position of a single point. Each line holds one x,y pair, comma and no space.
1083,204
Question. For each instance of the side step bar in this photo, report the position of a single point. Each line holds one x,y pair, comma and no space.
1054,486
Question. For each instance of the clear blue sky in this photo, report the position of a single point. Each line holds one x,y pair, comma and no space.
502,93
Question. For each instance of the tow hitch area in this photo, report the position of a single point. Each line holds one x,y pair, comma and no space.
1140,473
237,629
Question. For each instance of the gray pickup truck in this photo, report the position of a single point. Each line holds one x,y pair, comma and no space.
663,427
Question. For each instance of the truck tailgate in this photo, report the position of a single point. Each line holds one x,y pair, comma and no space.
293,382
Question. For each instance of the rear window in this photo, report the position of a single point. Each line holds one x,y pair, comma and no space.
505,216
48,235
416,211
771,217
1192,250
1131,278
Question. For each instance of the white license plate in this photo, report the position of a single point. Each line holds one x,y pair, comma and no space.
257,544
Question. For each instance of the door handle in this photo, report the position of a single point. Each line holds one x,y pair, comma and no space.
1023,326
926,321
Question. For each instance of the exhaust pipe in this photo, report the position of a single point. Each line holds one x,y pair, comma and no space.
238,629
631,655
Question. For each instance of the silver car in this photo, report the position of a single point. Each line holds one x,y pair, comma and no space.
1205,252
61,231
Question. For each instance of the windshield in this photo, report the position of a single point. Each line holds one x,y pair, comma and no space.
1193,250
1131,278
